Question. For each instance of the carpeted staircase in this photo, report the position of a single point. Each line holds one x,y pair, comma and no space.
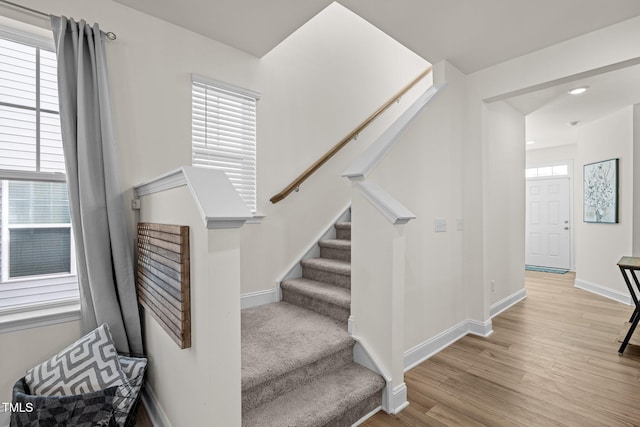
297,357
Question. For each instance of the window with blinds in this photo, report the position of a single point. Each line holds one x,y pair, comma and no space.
224,133
36,251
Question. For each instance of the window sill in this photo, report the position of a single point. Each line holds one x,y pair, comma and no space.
38,316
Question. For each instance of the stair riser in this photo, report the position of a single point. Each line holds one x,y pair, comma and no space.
327,277
343,233
262,393
338,313
354,413
334,253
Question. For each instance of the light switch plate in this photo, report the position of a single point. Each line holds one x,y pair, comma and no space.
440,225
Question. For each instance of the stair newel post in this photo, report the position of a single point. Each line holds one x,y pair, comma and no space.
378,284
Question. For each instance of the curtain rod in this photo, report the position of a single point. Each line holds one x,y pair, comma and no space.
110,35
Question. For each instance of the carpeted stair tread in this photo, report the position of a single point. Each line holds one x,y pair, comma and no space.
322,291
329,265
343,230
327,398
280,337
335,244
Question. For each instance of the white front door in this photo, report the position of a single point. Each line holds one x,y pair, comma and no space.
548,226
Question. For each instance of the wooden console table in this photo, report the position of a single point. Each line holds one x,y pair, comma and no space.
628,267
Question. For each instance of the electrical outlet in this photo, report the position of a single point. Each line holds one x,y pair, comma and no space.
440,225
459,224
493,286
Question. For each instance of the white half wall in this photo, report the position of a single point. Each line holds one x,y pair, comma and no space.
201,382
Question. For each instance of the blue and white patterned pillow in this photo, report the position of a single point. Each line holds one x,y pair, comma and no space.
90,364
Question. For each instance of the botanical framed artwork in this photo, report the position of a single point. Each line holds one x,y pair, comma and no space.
601,192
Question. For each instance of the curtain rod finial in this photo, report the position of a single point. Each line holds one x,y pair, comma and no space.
111,35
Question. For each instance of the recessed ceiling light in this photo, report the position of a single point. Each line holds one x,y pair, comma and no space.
531,142
576,123
578,90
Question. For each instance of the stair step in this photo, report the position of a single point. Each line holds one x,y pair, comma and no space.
335,249
328,300
343,230
285,345
331,271
339,398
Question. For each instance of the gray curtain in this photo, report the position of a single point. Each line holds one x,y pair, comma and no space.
103,252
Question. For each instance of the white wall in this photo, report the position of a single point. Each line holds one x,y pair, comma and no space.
544,156
504,201
603,48
22,350
424,172
600,246
636,181
317,86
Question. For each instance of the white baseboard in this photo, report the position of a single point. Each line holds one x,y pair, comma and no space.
254,299
154,410
482,329
366,417
399,398
507,302
432,346
603,291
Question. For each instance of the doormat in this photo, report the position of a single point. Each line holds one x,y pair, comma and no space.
545,269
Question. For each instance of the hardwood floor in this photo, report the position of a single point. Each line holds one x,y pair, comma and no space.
551,361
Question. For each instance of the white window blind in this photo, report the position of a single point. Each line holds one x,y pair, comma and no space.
36,252
224,133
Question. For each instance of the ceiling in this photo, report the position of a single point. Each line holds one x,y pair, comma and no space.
549,111
471,34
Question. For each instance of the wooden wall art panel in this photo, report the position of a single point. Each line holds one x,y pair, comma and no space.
163,278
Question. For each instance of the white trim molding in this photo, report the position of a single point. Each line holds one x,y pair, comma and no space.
219,203
226,86
394,211
154,410
366,417
507,302
254,299
377,151
603,291
45,315
313,250
418,354
399,398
